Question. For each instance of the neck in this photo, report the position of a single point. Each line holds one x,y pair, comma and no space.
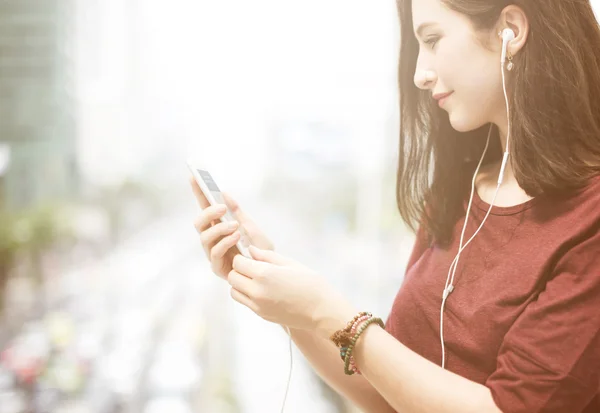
503,132
508,171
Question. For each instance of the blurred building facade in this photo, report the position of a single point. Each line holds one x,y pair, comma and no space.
105,82
126,106
37,132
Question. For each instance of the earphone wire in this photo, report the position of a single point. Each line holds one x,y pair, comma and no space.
287,387
449,286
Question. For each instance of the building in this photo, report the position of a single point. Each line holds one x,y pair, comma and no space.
37,126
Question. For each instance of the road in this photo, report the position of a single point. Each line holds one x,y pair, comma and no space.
173,338
160,332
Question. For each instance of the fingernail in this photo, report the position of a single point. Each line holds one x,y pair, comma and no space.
222,208
233,224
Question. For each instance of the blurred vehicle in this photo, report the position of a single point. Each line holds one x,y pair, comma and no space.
27,354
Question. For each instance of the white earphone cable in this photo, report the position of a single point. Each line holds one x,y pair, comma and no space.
287,387
449,286
506,151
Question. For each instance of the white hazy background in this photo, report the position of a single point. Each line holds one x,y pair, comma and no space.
293,108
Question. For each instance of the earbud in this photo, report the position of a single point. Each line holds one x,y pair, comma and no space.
507,36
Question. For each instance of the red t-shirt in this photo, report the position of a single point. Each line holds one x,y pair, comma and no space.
524,317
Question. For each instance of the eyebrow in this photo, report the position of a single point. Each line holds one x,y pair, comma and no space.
422,27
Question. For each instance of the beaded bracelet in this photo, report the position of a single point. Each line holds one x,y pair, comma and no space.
342,337
357,323
353,366
362,328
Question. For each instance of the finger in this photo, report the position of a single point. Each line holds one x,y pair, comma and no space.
212,235
240,282
200,198
208,216
221,248
272,257
243,299
248,267
235,209
252,231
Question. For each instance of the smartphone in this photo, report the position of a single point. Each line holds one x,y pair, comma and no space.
214,196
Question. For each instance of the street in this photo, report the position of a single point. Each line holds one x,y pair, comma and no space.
151,328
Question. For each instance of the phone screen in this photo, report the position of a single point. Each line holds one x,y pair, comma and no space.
214,190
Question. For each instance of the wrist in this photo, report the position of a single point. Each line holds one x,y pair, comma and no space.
332,316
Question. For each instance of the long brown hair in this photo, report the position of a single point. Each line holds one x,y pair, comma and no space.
555,115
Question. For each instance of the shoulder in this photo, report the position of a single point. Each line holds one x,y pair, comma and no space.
571,224
592,188
583,204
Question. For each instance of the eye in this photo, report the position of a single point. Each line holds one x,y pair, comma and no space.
431,41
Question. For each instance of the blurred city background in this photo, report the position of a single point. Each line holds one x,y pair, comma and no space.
107,301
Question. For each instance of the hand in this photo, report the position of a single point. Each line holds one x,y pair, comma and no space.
218,239
283,291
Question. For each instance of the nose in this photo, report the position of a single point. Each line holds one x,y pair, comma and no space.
425,79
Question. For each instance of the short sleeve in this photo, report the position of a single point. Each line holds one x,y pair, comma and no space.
549,360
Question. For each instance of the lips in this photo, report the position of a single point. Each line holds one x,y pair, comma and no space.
441,97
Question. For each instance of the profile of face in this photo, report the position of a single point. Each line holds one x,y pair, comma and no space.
454,61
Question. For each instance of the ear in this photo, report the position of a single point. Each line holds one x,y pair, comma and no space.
514,17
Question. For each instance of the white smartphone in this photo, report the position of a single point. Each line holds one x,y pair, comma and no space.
214,196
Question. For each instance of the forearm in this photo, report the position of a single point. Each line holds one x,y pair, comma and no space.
325,360
413,384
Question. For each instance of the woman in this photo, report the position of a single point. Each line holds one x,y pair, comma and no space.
509,322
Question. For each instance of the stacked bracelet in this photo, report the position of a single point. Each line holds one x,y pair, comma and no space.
361,329
353,366
347,337
342,337
348,352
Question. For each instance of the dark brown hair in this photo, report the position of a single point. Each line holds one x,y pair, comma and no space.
555,134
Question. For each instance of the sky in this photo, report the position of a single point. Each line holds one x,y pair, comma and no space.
206,79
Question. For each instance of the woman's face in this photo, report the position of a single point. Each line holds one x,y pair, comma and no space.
453,60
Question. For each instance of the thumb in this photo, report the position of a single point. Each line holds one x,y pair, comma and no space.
272,257
235,209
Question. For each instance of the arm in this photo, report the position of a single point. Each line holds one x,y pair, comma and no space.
325,360
410,383
549,360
